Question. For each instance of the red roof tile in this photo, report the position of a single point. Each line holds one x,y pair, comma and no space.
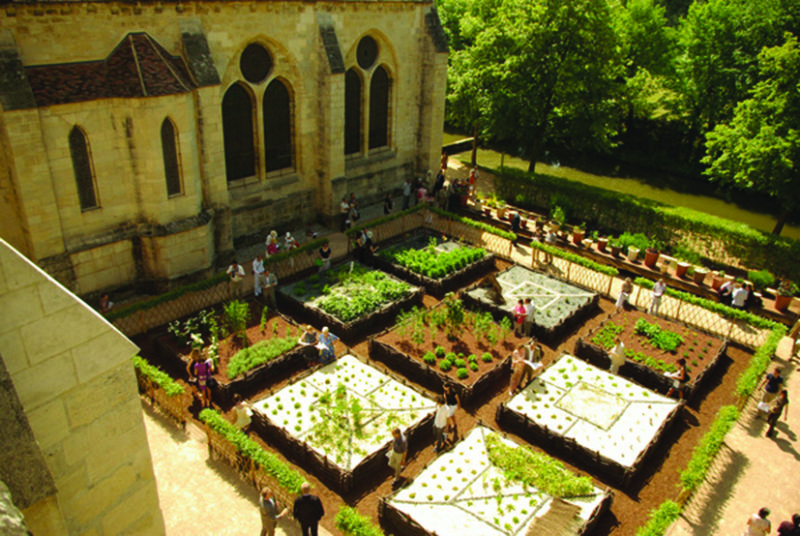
137,67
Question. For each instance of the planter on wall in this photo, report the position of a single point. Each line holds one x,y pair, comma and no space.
633,253
651,257
577,236
782,302
601,244
681,269
700,275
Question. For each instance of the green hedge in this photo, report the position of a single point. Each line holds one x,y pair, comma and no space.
624,212
749,379
288,478
715,307
157,376
260,353
705,451
173,294
660,519
351,523
353,231
575,258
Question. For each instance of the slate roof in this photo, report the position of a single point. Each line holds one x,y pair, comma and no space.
137,67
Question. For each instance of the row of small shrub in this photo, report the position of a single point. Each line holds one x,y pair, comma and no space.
576,259
260,353
668,224
287,478
157,376
485,227
351,523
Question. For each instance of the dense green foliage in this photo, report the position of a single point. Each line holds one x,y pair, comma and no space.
749,379
431,262
606,335
662,339
144,305
288,478
260,353
536,469
660,519
157,376
350,523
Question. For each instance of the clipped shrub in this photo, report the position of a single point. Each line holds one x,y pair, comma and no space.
660,519
473,366
429,358
451,356
460,363
704,452
462,373
486,357
439,351
157,376
445,365
472,358
351,523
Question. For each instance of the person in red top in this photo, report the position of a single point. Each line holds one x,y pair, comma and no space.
519,317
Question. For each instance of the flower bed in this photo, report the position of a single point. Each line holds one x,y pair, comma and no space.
646,362
448,344
440,265
606,422
476,489
347,297
337,420
559,306
271,350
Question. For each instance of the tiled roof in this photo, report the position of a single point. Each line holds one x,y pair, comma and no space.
138,67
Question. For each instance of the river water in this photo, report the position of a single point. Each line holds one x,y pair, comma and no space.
637,187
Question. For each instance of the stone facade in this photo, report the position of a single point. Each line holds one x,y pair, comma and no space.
185,57
74,388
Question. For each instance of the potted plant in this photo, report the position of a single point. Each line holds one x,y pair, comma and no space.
578,232
616,246
652,253
762,280
786,292
719,278
558,217
681,269
700,274
501,211
633,253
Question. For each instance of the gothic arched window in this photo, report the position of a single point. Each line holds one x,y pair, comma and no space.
238,133
277,126
379,89
84,171
352,112
169,149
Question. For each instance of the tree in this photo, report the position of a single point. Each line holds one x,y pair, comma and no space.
759,148
535,71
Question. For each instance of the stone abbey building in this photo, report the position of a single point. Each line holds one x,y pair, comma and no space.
141,142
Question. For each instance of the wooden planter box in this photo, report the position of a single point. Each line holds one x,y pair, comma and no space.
591,461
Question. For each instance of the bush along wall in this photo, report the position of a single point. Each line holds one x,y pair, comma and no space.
719,239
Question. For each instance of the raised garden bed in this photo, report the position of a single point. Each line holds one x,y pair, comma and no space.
559,306
236,374
606,423
347,298
478,350
336,421
645,362
437,263
468,491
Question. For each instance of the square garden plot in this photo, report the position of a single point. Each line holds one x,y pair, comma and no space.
436,262
653,346
337,421
465,492
607,423
558,305
347,297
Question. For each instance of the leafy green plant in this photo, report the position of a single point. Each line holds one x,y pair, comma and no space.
535,469
235,315
761,279
705,451
638,240
433,263
504,327
439,351
360,292
157,376
462,373
288,478
429,358
460,363
258,354
300,289
264,316
660,519
342,425
606,335
557,214
486,357
662,339
445,365
350,523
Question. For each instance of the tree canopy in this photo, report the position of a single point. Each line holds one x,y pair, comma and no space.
760,147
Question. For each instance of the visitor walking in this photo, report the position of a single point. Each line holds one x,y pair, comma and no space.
758,524
397,457
268,507
439,424
679,379
272,243
617,355
327,353
308,510
242,413
658,292
625,293
270,284
519,317
771,385
779,407
201,373
325,257
235,276
258,275
530,311
407,193
387,204
790,527
453,402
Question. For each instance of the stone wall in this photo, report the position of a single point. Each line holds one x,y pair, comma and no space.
72,373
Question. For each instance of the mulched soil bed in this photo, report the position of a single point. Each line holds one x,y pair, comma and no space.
699,363
631,505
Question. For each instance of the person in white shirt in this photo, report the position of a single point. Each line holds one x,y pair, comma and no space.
617,356
258,275
527,324
739,296
440,423
235,276
242,413
658,292
407,193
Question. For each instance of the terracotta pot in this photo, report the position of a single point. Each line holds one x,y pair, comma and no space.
501,213
601,244
615,250
577,236
633,253
700,275
651,257
717,281
487,212
680,270
782,302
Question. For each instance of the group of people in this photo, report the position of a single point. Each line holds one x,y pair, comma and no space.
738,294
525,362
307,510
774,400
759,525
348,212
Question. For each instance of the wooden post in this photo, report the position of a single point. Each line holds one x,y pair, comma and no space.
610,284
